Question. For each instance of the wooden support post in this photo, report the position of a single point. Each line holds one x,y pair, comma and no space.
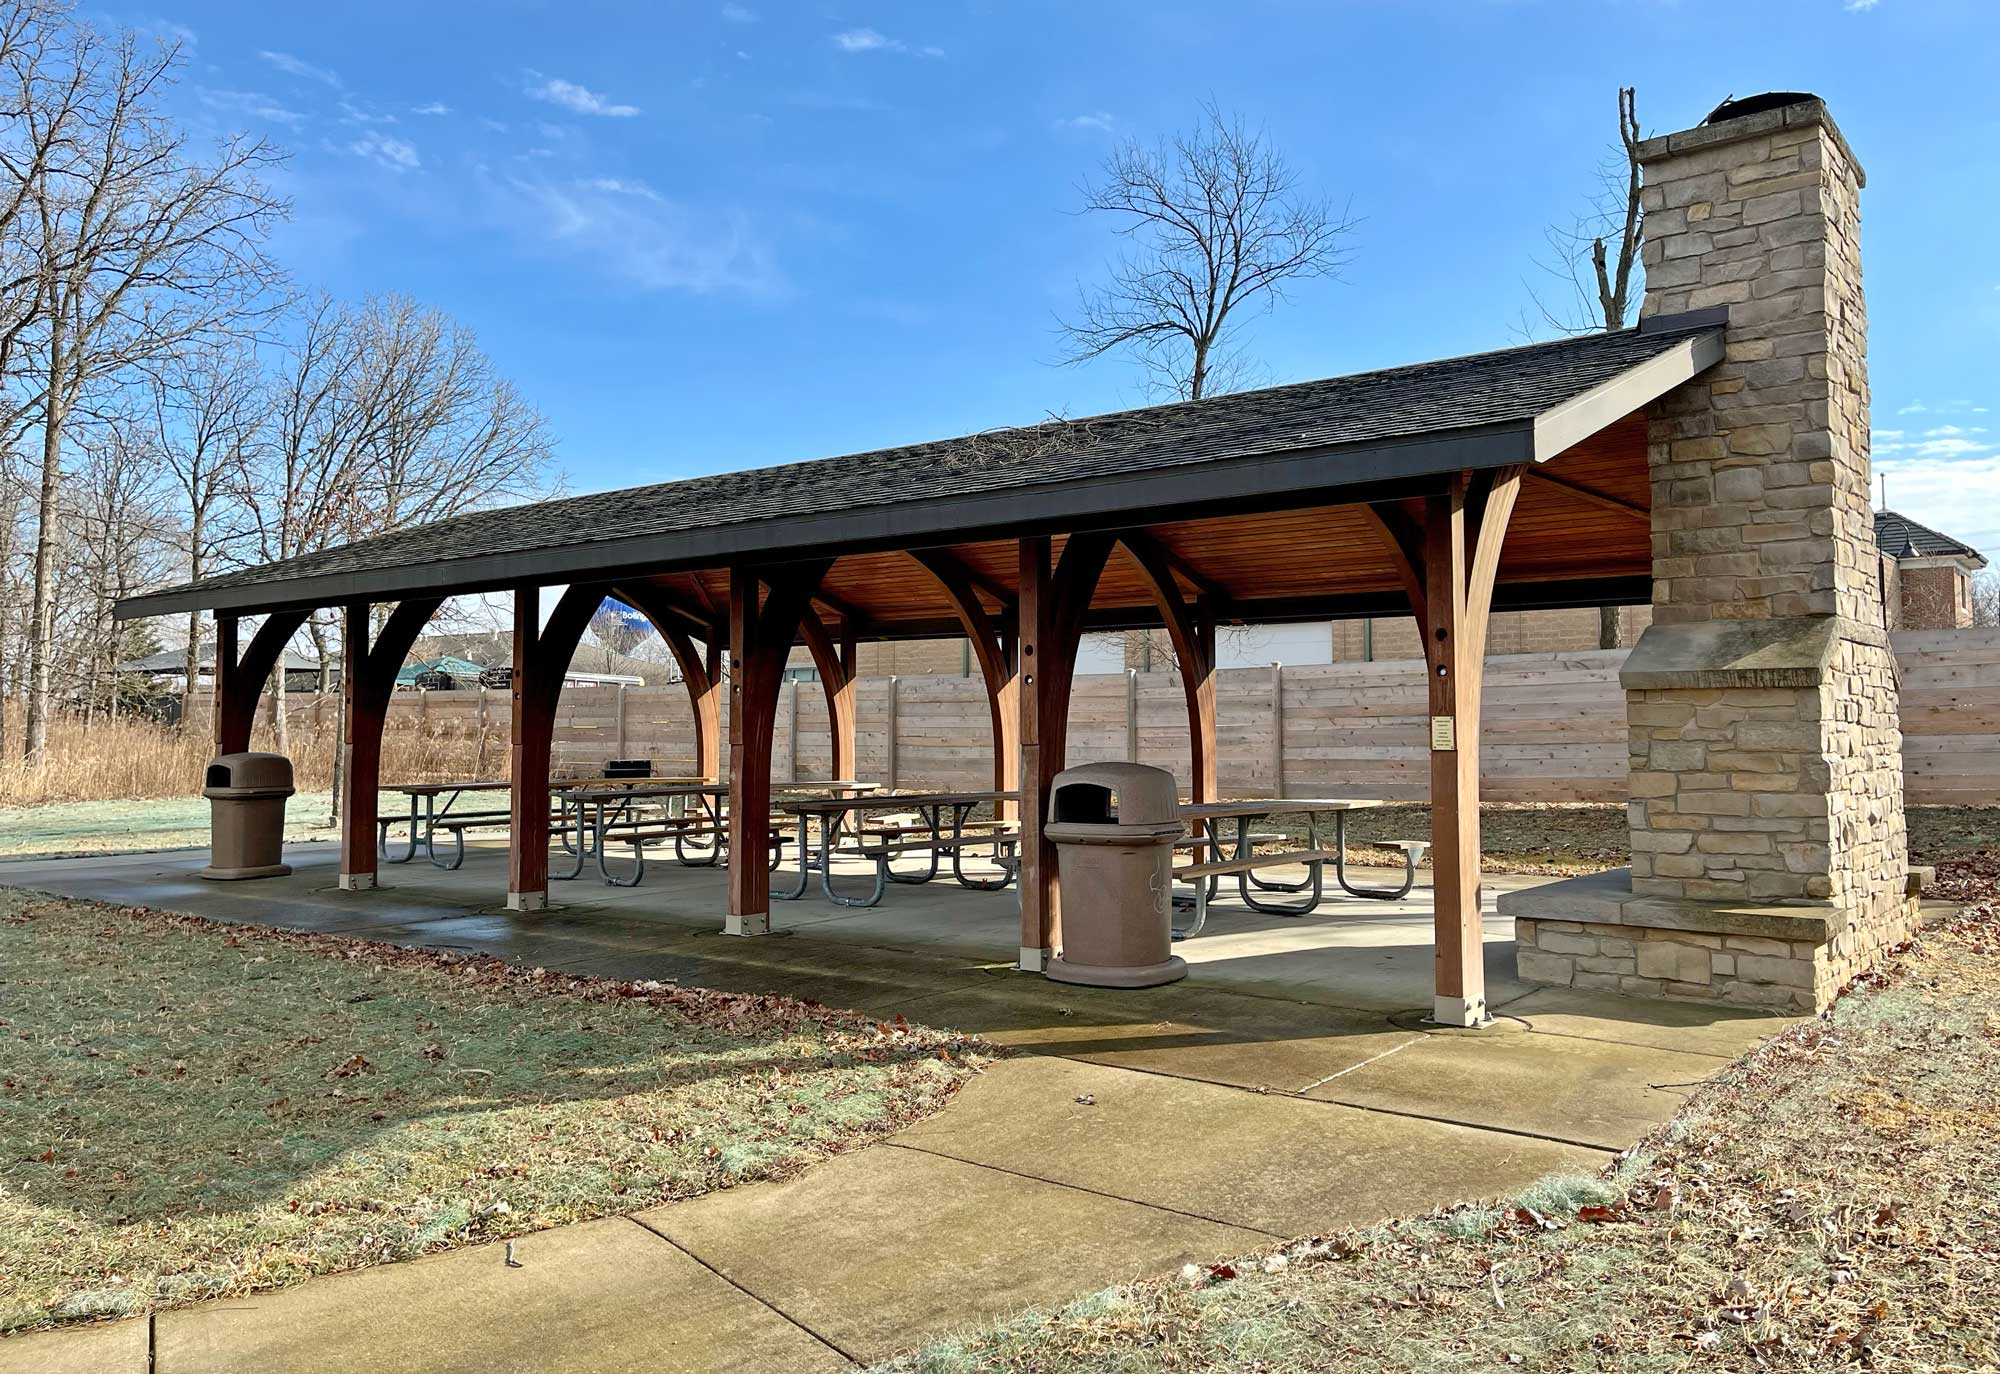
1448,564
541,656
1052,607
533,739
361,752
222,689
761,631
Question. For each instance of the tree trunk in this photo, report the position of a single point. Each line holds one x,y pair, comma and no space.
41,627
1607,627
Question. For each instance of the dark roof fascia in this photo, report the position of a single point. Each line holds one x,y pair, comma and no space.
1399,466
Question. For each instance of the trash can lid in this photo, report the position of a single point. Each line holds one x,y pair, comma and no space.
247,770
1114,794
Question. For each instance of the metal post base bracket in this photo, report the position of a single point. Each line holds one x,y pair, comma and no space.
1460,1011
356,882
527,901
1034,960
749,923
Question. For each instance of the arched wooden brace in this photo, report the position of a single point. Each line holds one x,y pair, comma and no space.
836,675
541,656
367,680
1448,565
761,631
991,637
703,687
1191,628
1053,603
239,681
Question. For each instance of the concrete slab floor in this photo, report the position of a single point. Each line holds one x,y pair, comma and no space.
114,1348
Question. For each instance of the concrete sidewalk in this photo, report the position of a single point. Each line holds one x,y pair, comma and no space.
1135,1132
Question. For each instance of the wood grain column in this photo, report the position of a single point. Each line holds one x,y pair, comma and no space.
761,631
1449,561
1052,608
533,742
361,751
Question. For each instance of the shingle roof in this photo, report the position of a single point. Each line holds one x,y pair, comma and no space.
1898,536
1355,428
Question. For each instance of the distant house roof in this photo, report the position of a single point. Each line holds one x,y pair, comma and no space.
1487,410
175,661
1900,537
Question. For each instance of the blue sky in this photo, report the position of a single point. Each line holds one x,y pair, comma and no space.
709,235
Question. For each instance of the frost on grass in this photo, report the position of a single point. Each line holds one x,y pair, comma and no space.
1830,1201
191,1110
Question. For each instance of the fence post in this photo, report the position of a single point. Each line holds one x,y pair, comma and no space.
1277,729
622,751
793,732
889,749
1131,715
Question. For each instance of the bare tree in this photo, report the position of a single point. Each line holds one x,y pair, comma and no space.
1595,261
144,244
1986,599
1594,258
1217,226
205,411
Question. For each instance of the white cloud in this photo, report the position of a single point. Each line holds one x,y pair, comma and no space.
1913,408
579,99
1861,6
350,113
436,107
299,67
868,40
739,14
625,228
1097,121
255,104
394,153
1957,496
1949,431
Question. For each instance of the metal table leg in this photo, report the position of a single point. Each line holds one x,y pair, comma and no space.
1376,894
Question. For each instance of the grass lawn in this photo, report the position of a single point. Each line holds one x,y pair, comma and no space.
192,1110
96,827
1831,1200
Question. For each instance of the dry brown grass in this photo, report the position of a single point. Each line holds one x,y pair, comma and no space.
129,759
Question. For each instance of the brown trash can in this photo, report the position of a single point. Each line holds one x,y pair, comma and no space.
246,801
1114,827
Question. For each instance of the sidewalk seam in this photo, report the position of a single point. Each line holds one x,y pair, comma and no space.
1080,1188
1373,1058
757,1298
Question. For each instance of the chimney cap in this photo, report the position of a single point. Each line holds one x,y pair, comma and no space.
1733,108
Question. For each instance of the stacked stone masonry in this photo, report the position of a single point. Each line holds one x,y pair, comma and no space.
1753,785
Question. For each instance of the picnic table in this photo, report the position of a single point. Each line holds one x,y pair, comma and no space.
614,808
930,835
1243,863
427,817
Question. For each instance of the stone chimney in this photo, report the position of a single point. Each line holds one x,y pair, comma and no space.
1766,748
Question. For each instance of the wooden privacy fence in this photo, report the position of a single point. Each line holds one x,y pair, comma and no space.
1553,726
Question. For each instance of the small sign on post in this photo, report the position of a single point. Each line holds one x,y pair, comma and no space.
1444,734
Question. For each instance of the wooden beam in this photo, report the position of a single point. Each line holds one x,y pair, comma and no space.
1191,628
989,639
239,681
946,562
1403,537
703,689
1596,498
1206,587
835,665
